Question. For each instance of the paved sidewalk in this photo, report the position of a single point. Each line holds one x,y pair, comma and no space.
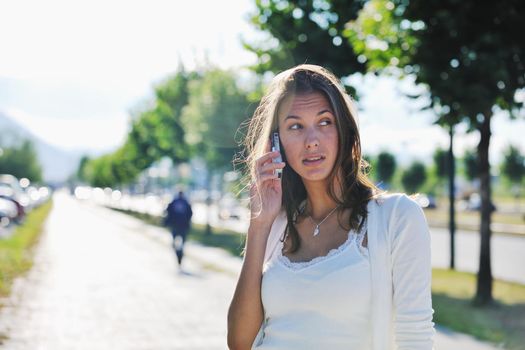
99,283
105,280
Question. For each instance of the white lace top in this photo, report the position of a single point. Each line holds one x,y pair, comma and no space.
323,303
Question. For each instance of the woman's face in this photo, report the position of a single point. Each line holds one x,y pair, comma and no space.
309,137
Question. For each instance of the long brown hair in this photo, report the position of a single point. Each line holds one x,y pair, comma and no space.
355,187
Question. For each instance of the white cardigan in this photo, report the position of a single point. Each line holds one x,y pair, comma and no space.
399,248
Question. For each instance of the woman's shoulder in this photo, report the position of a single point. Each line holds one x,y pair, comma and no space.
399,214
394,202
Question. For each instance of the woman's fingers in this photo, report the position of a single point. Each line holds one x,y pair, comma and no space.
265,165
266,158
267,176
265,171
271,167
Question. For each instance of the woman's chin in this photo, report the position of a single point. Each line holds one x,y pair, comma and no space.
315,176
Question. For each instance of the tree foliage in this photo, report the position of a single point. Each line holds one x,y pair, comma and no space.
385,167
470,161
192,114
441,161
216,108
21,160
470,56
513,167
82,170
480,49
305,31
155,132
414,177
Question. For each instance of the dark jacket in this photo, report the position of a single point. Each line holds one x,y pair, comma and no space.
178,214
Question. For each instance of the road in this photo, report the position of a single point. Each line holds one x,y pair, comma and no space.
507,251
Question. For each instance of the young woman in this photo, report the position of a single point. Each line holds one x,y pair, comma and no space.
330,262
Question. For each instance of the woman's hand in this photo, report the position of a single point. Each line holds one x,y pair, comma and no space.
246,313
266,191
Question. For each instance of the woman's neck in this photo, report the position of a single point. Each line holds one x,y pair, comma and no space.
318,201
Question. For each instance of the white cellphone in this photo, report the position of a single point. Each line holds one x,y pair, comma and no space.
276,146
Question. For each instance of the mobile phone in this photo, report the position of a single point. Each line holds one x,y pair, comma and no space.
276,146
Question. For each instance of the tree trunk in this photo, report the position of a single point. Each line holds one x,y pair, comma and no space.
516,191
208,203
451,196
484,285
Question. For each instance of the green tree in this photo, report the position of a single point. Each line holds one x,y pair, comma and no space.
440,157
21,161
388,42
172,96
479,70
470,162
308,31
102,175
445,168
513,166
414,177
156,131
127,163
385,167
81,173
215,110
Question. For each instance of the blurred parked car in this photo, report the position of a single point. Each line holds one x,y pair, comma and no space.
37,196
426,201
229,208
8,212
474,203
10,187
7,194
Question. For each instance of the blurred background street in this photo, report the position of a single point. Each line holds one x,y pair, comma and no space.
101,282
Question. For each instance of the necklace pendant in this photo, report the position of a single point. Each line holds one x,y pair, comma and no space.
316,230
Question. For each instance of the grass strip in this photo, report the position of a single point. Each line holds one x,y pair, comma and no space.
231,241
15,251
502,323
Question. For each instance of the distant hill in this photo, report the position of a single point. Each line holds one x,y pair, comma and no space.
57,164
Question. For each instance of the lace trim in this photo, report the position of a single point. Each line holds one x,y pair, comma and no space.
352,238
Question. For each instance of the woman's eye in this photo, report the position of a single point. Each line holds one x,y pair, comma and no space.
294,127
325,122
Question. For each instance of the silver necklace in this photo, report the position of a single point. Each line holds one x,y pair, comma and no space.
316,230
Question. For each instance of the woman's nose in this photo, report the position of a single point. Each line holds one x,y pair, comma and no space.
312,140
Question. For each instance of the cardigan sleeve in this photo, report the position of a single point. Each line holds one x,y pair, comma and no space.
411,277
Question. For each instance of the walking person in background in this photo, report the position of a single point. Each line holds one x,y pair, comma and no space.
178,219
330,261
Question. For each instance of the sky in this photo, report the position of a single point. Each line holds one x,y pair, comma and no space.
70,72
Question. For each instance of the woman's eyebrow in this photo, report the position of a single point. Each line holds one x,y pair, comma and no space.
324,111
291,117
320,113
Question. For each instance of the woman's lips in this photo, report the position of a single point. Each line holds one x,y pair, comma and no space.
309,162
